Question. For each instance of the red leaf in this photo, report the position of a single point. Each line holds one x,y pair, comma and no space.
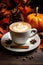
1,30
5,20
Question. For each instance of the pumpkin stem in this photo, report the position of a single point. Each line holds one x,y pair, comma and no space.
37,10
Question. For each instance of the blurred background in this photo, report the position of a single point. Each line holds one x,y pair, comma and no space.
16,10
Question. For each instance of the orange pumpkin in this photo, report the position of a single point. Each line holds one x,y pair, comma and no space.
36,21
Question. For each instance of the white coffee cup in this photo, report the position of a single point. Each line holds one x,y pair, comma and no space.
21,31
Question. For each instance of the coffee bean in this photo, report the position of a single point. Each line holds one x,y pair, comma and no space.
30,58
26,56
24,59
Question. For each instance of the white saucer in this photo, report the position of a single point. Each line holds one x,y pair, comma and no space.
31,46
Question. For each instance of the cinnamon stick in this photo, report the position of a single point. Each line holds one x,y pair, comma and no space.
20,47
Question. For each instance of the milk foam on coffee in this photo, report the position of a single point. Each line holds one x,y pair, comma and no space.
20,27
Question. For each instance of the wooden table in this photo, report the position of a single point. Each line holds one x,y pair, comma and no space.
34,57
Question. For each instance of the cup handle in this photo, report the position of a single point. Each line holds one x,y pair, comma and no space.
34,31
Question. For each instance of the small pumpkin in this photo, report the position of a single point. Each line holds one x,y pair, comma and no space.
36,20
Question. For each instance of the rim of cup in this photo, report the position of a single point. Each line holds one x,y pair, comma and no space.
20,32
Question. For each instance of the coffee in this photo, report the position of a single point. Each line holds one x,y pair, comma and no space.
20,27
20,32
